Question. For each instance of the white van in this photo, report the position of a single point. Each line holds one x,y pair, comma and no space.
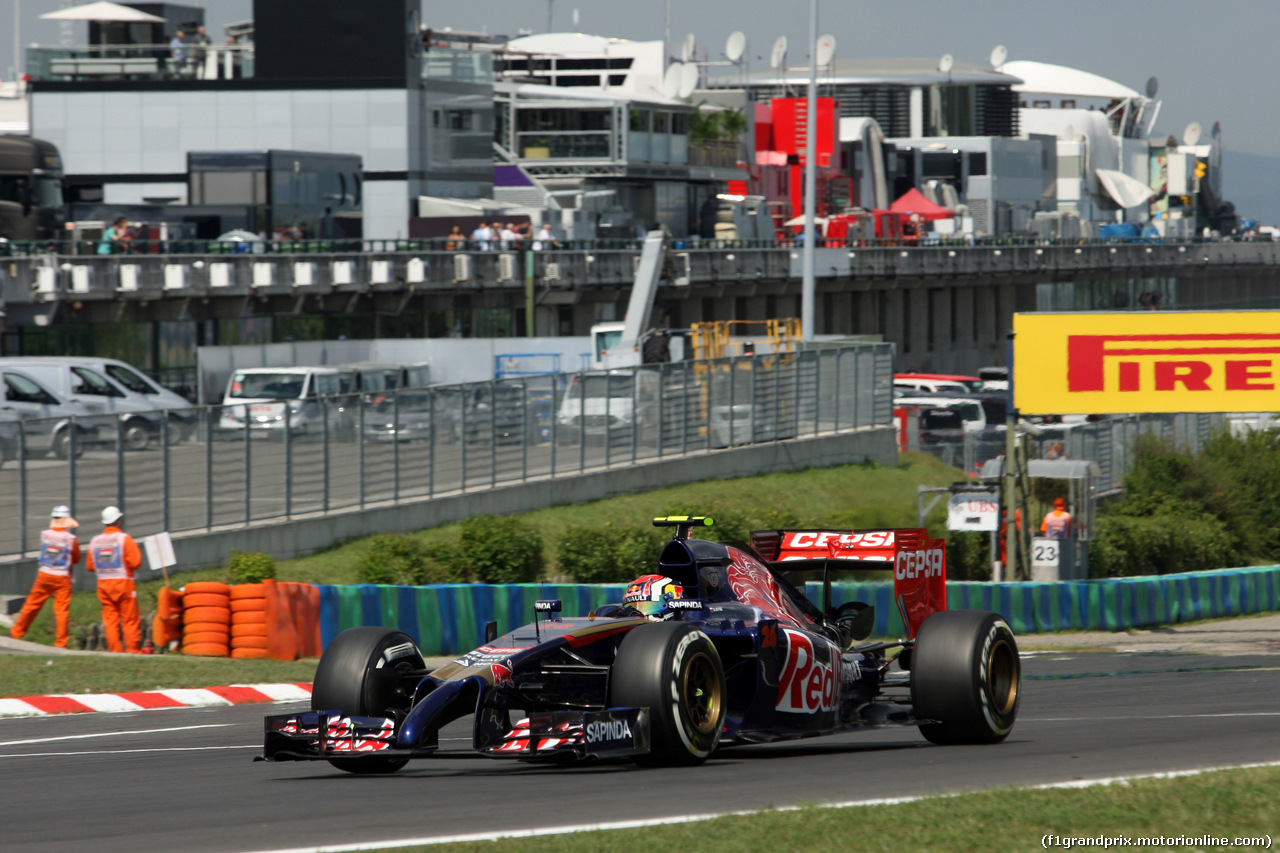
136,418
613,404
46,419
136,384
266,396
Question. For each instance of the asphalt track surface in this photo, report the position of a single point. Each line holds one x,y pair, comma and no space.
184,779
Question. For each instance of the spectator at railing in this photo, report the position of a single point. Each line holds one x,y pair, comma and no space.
456,240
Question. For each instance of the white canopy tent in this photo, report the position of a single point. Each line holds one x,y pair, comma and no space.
103,11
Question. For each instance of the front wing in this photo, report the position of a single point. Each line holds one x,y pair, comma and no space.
555,735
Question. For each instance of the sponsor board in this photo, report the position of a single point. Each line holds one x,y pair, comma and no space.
1169,361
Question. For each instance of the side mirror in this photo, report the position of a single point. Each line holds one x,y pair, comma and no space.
853,622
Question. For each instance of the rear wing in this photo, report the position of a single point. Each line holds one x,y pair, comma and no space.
919,562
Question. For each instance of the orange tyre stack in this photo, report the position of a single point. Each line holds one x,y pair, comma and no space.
248,621
166,628
206,619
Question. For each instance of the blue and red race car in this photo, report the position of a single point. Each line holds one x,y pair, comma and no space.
720,645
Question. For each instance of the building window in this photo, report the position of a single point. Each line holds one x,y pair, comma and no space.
661,122
977,163
680,124
639,122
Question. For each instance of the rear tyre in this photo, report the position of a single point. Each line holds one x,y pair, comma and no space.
965,677
356,678
674,670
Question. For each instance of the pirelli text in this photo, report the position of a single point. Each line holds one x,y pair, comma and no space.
1201,842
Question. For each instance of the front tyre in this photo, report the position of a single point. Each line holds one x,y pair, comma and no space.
362,673
674,670
965,677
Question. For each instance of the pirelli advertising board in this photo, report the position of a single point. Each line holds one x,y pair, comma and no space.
1201,361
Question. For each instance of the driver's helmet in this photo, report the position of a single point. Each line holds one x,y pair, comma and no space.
648,595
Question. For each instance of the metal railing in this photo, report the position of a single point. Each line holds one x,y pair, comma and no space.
264,462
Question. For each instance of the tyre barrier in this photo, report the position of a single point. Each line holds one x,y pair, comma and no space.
248,619
166,627
206,619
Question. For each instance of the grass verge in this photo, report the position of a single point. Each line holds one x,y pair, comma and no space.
1225,804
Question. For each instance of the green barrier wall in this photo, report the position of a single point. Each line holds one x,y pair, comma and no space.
450,618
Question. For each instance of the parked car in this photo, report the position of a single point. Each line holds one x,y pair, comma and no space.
936,383
49,423
308,399
412,415
496,411
134,417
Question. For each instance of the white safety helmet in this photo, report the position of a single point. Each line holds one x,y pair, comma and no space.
111,515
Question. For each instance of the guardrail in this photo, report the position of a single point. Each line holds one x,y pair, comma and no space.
259,463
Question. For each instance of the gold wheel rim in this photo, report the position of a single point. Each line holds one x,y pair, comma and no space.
702,694
1002,676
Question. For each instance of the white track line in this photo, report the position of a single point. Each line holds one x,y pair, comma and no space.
662,821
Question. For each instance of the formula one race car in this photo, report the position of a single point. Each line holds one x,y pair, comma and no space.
720,646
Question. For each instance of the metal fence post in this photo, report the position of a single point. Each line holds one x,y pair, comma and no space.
360,446
662,406
208,468
325,403
72,449
836,423
395,447
524,430
493,433
817,390
120,481
288,463
166,518
22,492
248,467
431,444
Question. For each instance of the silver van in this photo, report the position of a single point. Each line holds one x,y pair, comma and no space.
269,397
137,419
136,384
47,420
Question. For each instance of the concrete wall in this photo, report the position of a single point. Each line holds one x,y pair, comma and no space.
302,536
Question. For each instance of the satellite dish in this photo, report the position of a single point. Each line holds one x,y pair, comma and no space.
688,79
945,63
779,55
686,50
998,55
671,80
1153,86
735,45
1191,133
826,50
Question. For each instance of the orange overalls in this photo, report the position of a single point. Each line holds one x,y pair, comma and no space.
115,556
59,551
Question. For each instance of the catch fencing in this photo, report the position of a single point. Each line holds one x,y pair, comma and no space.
1108,441
219,467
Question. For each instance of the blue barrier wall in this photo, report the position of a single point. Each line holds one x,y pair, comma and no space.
450,618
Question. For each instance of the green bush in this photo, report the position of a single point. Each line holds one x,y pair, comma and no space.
501,550
394,558
250,567
1159,538
968,555
608,554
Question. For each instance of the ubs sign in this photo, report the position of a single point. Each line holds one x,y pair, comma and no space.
1211,361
